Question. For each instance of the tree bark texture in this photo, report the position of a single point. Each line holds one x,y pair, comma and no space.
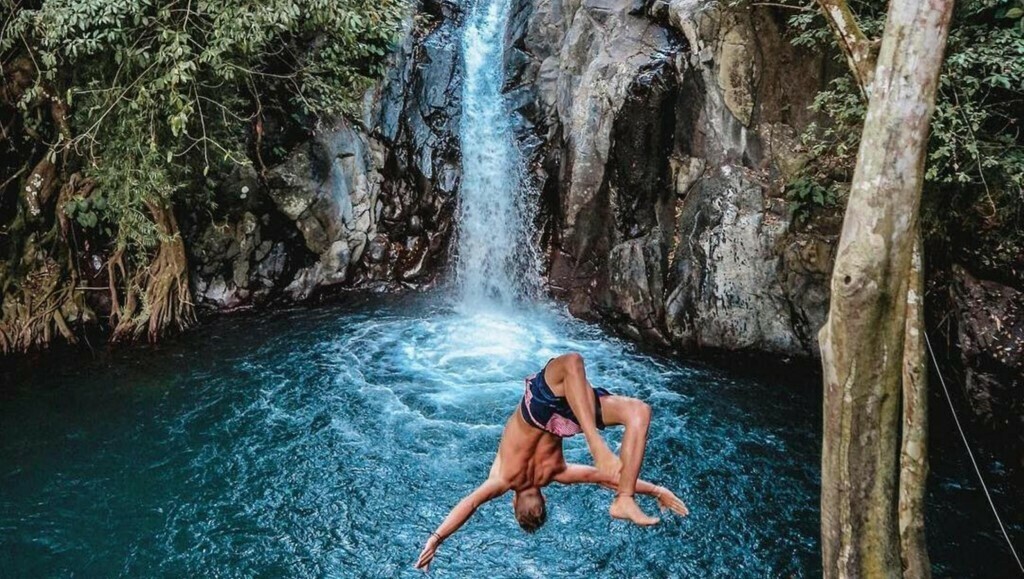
914,448
863,342
156,297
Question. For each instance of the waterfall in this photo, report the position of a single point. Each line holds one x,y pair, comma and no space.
496,262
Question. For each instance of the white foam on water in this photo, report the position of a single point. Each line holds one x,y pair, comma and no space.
468,350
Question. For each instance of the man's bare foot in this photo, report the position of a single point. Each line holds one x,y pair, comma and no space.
625,508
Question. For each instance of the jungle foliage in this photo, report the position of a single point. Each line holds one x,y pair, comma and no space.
116,112
975,164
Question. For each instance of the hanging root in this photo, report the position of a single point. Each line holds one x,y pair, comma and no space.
39,309
156,297
39,303
168,292
42,303
39,277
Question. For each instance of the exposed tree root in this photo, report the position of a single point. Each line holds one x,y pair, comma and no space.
40,290
39,306
156,297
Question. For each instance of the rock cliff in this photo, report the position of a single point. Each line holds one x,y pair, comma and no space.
989,322
661,135
365,203
667,130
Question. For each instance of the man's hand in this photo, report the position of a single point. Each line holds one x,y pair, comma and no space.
428,552
491,488
667,500
607,463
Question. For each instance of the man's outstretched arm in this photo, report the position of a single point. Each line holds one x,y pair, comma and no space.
491,488
578,473
568,372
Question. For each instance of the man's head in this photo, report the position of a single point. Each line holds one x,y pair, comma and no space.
529,508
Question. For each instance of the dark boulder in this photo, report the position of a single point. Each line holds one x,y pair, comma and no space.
990,332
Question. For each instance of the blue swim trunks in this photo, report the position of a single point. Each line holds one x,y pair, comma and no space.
542,409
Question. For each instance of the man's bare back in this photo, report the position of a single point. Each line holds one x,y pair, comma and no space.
560,402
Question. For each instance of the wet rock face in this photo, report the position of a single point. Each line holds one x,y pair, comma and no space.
636,284
328,188
241,257
418,125
990,332
295,231
726,287
667,130
356,203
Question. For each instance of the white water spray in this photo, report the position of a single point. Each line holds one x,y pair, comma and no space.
496,262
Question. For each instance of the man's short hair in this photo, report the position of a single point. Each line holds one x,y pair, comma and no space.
531,512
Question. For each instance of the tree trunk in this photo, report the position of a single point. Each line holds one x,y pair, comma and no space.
167,289
39,292
863,342
914,450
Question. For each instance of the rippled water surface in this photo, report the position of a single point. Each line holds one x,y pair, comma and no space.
330,442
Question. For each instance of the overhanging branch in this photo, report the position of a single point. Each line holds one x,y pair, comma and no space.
859,50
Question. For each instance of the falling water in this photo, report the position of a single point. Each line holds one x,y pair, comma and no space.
496,262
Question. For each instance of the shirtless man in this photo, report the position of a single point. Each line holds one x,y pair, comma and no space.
558,403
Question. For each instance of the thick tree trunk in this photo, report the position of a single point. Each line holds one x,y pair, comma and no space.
863,342
168,288
39,294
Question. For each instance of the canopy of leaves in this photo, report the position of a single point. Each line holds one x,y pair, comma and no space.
975,166
162,92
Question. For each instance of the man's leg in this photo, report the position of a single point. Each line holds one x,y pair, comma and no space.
566,375
636,417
